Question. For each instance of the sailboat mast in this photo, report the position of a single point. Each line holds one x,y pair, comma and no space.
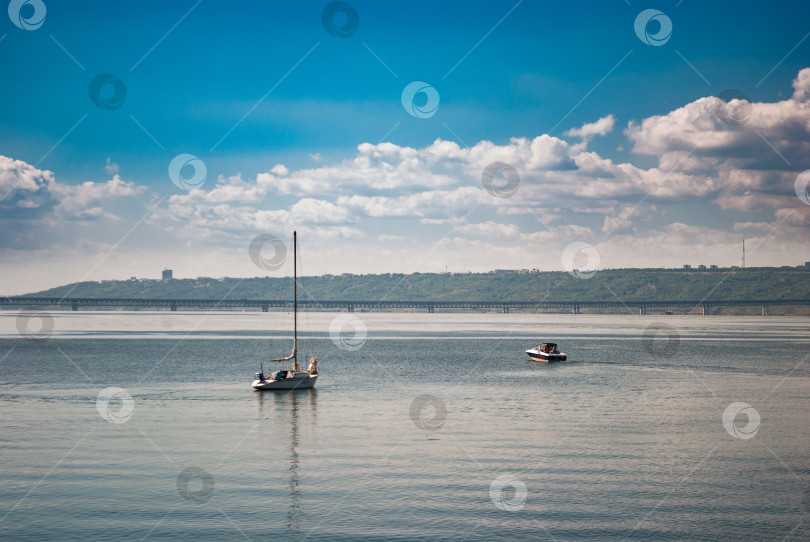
295,301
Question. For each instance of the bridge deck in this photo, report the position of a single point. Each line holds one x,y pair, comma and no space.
428,305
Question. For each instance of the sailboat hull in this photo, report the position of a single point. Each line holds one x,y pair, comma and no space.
286,383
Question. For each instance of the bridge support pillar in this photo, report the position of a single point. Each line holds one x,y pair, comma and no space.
430,308
642,310
703,310
506,310
765,311
173,306
74,307
265,308
576,309
349,308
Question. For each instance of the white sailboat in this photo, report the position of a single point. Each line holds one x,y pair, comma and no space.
294,378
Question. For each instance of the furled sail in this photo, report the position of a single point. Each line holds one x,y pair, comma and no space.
288,358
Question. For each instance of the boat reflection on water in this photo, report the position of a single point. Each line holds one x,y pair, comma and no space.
290,402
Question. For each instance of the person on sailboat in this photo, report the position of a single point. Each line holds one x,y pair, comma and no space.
313,366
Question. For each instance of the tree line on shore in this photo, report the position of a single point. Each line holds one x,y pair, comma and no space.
608,285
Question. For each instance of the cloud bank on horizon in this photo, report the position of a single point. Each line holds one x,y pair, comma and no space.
392,208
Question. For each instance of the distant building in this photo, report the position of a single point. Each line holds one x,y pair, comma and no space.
687,266
506,271
701,266
167,274
712,267
807,265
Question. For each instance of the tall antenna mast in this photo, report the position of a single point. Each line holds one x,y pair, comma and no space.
743,260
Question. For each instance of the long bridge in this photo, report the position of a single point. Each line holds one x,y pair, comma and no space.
702,306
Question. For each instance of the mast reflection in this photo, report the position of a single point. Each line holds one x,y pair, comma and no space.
289,401
294,513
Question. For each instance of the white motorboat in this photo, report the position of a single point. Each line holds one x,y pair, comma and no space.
546,352
294,378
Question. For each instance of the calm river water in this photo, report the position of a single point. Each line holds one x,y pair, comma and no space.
143,426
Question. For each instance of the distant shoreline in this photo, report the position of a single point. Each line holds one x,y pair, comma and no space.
620,291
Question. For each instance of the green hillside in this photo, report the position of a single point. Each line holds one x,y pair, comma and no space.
610,284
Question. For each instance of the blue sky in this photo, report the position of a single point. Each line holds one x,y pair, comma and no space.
247,87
